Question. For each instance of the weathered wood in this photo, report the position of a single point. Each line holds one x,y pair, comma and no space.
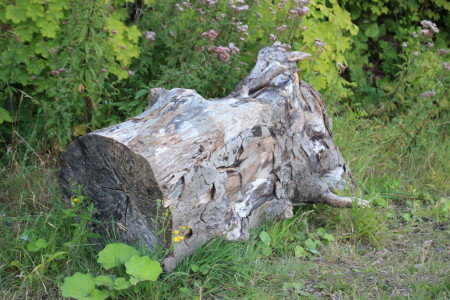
219,166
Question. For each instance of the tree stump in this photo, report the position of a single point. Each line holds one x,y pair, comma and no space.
219,166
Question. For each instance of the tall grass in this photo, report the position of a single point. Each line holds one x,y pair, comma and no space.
397,178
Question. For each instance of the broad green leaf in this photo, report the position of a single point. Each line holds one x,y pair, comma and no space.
78,286
48,29
300,251
116,25
4,116
372,30
37,245
115,255
133,33
328,237
97,295
15,14
407,217
314,251
310,244
195,268
34,11
134,281
141,93
321,231
41,243
204,269
121,283
106,280
265,238
24,33
143,268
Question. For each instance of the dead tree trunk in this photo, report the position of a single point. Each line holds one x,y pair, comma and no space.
219,166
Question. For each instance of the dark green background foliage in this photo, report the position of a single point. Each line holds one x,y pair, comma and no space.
69,67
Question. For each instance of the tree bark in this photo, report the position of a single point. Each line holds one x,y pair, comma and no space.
219,166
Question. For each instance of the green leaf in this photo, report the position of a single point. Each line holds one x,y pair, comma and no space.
310,244
97,295
321,231
134,281
34,11
328,237
115,254
48,29
37,245
265,238
4,116
141,93
372,30
133,33
78,286
143,268
41,243
204,269
106,280
195,268
300,251
25,33
407,217
15,14
121,283
314,251
266,250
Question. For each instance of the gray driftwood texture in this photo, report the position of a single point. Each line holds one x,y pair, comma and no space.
219,166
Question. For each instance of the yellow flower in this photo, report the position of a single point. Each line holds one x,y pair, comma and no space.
182,227
178,239
76,200
176,232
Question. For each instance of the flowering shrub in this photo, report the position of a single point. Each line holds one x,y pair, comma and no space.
73,66
61,55
379,54
210,45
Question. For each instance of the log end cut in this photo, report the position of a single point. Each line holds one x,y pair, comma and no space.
122,186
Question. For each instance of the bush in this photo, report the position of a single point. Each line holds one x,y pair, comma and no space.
68,63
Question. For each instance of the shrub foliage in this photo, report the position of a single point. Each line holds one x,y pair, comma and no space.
69,67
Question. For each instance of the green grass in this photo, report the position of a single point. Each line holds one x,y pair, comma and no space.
397,249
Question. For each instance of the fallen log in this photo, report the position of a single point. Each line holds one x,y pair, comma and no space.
219,167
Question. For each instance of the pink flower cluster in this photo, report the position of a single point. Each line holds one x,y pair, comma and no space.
285,46
446,66
224,53
429,29
209,2
185,4
238,8
281,28
57,72
443,51
429,94
211,35
242,28
342,67
298,11
150,35
321,45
